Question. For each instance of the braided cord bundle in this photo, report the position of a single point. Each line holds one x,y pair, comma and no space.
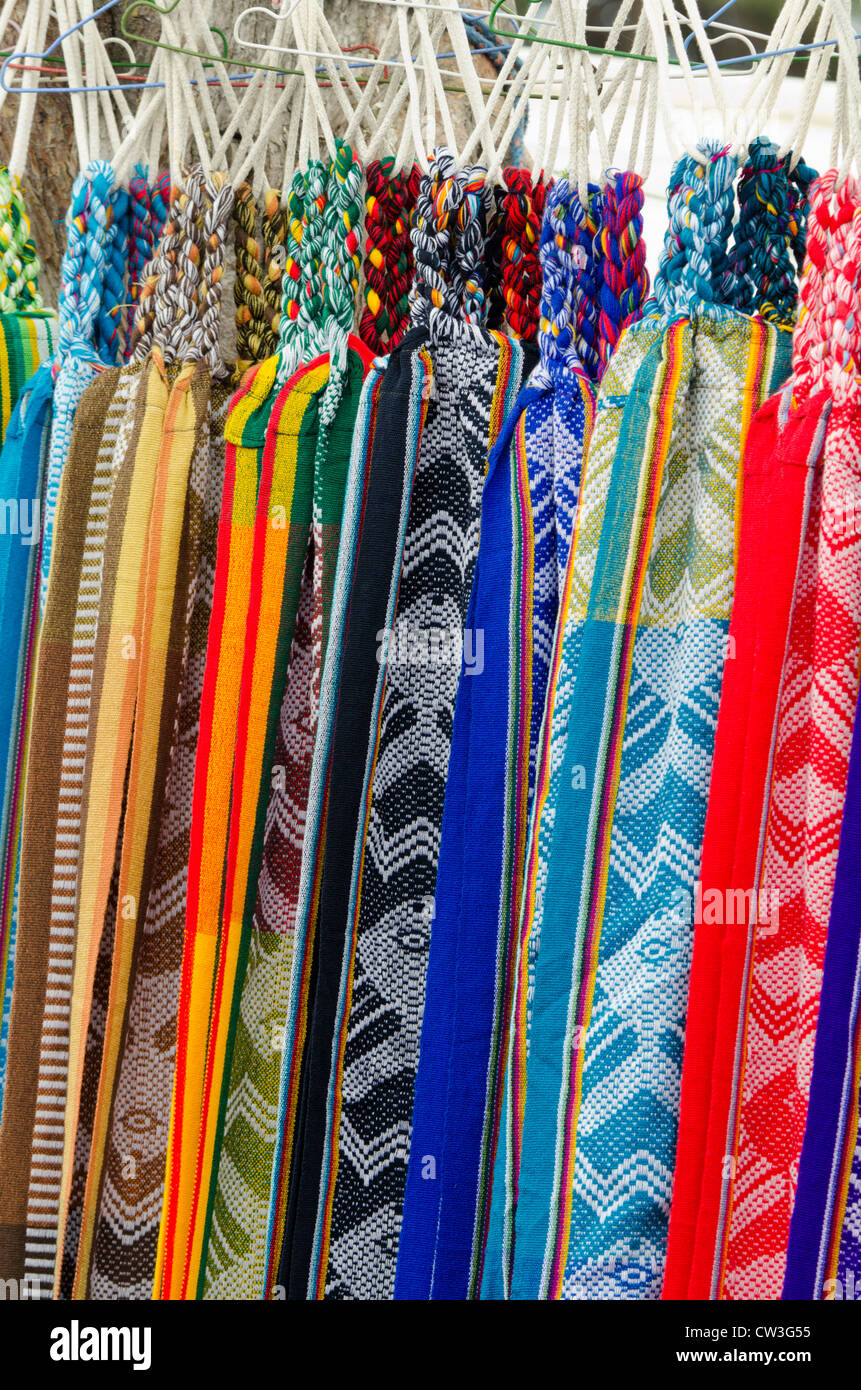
290,329
375,325
311,302
19,264
770,226
432,297
219,197
493,258
180,301
802,178
254,339
624,277
587,284
157,277
110,320
340,263
404,189
85,261
149,214
836,351
699,205
141,242
340,257
556,325
831,207
159,198
389,201
520,210
469,267
274,229
184,326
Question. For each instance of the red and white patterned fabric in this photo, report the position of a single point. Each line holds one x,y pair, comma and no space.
817,707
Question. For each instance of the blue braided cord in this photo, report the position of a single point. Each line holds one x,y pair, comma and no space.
699,203
566,253
82,275
802,177
771,226
556,311
110,319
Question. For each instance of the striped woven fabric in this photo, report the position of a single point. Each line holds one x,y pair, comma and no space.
624,776
109,452
528,508
26,339
533,478
109,737
635,836
783,974
22,469
53,686
597,468
385,447
283,522
278,541
245,432
628,777
475,381
824,1231
124,1254
783,451
164,603
799,863
236,1252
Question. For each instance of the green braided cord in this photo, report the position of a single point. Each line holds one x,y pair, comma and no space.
341,264
290,342
19,264
341,250
311,301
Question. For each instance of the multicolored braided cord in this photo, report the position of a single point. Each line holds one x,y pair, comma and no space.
624,278
520,209
694,275
587,283
110,325
769,233
254,337
557,311
274,228
19,264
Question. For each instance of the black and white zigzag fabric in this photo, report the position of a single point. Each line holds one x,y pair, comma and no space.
475,380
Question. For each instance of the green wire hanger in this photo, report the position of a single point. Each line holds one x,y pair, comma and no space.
225,57
522,6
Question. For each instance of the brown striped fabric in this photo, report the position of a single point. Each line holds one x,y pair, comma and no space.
93,1052
46,1161
163,591
130,1203
53,689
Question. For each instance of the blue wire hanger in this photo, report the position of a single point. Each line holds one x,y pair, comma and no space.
18,58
